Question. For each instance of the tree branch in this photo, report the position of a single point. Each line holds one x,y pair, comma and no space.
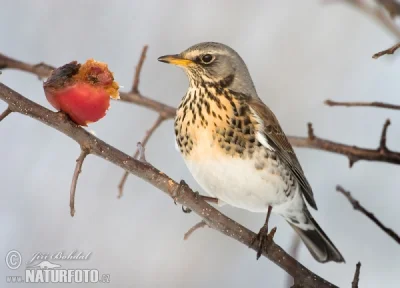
390,50
78,170
152,175
41,70
362,104
356,279
357,206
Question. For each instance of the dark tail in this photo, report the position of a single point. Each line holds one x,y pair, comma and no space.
319,245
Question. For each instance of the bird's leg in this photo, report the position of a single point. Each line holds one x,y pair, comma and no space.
263,237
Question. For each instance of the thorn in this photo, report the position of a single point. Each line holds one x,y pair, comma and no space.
382,144
351,162
311,135
5,113
356,279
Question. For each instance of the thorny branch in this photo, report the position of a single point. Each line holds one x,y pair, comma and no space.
155,177
390,50
356,279
359,207
362,104
354,153
78,170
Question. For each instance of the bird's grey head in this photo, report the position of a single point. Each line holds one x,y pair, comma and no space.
214,64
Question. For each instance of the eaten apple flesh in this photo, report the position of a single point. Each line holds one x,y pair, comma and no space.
82,91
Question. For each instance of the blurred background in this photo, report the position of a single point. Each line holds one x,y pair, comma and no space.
299,53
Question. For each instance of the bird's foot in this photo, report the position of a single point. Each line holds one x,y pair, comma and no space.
264,240
176,193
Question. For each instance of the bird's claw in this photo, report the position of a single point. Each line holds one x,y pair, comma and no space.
264,240
186,210
176,193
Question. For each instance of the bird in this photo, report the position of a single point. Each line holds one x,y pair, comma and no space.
235,148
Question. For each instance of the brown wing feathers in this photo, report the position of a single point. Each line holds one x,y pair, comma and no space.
278,140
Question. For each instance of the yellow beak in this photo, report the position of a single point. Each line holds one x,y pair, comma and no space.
175,60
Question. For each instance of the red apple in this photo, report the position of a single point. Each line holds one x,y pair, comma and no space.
82,91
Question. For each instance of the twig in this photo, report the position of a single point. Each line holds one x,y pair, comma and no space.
167,112
357,206
136,78
5,113
391,6
160,180
41,70
356,279
78,170
353,153
390,50
362,104
378,14
199,225
144,141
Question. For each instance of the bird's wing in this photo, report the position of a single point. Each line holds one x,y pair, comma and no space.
277,139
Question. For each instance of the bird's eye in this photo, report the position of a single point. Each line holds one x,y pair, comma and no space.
207,58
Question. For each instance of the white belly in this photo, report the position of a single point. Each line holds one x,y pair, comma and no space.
236,181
